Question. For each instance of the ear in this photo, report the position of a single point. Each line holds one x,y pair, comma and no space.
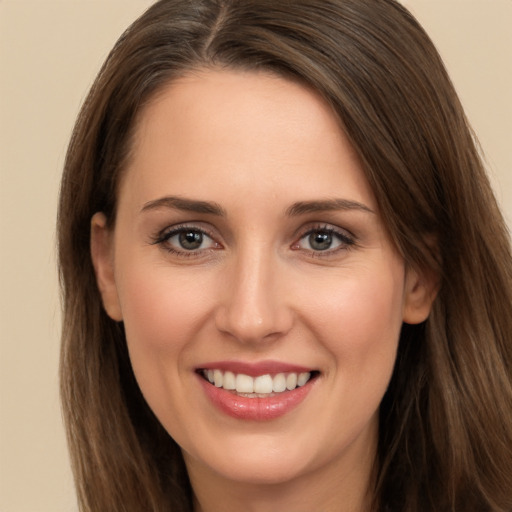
102,253
420,291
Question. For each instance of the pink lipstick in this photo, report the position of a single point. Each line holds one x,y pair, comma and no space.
256,391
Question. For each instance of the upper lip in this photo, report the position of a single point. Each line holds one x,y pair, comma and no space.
254,369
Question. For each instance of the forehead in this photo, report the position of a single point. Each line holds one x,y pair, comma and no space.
241,128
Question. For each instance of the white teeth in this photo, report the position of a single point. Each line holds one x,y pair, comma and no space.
291,381
229,381
261,385
244,383
217,378
303,378
279,383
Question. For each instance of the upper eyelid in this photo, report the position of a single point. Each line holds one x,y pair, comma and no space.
164,234
176,228
324,226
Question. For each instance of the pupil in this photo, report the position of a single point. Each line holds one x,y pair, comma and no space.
191,240
320,241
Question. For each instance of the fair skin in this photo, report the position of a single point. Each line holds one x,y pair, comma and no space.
246,232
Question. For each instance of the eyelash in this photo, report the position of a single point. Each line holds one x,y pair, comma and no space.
163,237
346,241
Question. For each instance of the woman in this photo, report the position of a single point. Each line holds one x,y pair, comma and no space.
286,282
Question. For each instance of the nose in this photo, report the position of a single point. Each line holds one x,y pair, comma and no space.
253,306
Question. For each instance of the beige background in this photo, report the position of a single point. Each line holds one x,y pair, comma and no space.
49,54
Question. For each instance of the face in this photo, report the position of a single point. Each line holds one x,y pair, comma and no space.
261,296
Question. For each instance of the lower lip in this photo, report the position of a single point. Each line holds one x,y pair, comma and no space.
256,409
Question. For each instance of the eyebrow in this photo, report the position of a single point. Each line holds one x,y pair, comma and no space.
303,207
189,205
212,208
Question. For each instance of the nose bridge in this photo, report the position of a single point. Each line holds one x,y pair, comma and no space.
254,305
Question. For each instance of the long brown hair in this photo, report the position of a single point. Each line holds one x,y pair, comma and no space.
446,420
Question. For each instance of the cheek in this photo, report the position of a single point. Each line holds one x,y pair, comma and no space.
160,304
163,312
366,300
358,320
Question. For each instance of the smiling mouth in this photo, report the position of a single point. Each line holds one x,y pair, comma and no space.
261,386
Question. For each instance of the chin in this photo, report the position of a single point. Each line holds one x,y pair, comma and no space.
255,462
269,472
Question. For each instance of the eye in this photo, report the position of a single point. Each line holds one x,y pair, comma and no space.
186,240
324,239
189,240
320,240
